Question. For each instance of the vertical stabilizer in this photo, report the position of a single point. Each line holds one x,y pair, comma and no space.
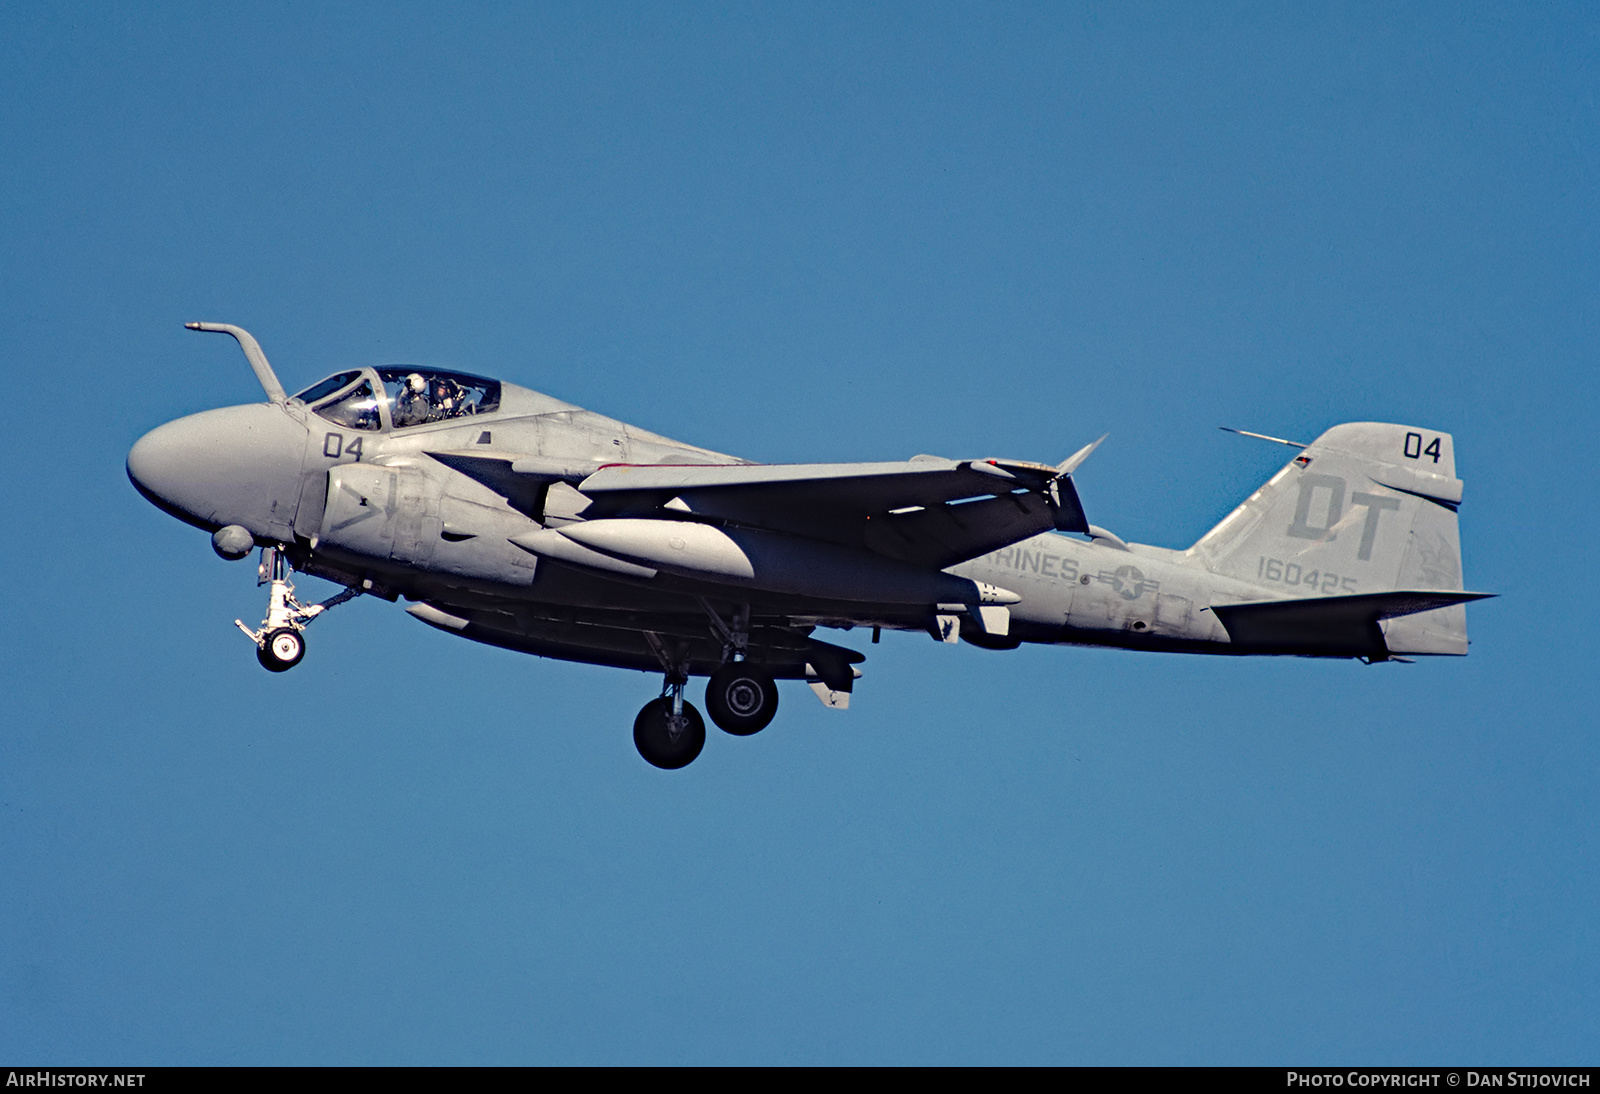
1367,507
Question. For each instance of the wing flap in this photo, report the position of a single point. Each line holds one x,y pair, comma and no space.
943,535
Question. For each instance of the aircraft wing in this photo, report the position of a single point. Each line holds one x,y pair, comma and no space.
927,510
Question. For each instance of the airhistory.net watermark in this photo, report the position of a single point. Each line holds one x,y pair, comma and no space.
48,1078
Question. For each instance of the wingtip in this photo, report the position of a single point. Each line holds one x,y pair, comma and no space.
1074,461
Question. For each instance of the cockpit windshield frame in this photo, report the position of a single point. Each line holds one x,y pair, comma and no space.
355,407
427,396
337,382
400,397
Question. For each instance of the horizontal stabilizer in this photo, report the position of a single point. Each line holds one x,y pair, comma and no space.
1329,626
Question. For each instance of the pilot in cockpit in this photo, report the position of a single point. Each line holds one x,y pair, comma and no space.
412,407
447,398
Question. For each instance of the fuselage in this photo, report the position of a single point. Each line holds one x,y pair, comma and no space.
446,508
515,519
370,506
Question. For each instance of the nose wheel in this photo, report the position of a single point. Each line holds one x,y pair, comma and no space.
282,650
280,641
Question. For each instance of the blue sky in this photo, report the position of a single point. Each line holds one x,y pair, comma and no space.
803,233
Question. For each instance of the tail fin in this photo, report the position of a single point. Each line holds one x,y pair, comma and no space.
1366,508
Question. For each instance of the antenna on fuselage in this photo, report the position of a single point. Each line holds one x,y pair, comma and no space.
253,354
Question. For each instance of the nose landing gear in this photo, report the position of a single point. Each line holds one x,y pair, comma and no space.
280,643
281,650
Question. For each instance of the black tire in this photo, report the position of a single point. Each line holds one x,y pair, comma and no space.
282,650
656,744
741,698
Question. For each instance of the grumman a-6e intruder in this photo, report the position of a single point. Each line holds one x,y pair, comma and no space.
513,518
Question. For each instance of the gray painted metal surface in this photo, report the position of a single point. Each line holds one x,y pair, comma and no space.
517,520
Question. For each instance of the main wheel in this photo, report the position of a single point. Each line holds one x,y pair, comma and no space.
741,698
652,734
282,650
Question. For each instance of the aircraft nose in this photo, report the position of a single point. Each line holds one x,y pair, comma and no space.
236,465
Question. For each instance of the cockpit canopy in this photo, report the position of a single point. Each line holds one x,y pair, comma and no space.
399,397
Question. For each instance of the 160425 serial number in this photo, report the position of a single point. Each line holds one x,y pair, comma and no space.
1292,573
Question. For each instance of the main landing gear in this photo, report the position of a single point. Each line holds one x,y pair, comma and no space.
280,642
741,698
669,732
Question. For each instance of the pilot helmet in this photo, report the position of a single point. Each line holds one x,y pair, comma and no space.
415,383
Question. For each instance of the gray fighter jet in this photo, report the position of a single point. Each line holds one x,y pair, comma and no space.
515,519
